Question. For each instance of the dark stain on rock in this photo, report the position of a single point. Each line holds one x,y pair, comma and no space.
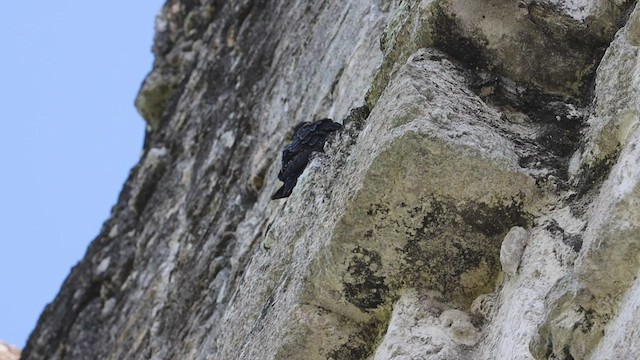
148,188
553,227
448,38
592,177
428,253
574,241
367,291
549,105
377,210
558,120
566,352
553,34
496,220
360,345
453,241
561,133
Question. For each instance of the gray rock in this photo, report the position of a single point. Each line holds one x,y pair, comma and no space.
421,327
591,315
479,122
512,249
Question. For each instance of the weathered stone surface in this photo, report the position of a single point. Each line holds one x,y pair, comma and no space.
195,210
512,249
8,352
621,338
381,229
484,205
594,293
549,45
421,327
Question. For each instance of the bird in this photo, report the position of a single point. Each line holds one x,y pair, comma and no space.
308,138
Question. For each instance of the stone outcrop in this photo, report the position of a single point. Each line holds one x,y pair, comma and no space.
481,202
8,352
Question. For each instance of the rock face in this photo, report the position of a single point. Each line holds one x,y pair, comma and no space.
8,352
481,202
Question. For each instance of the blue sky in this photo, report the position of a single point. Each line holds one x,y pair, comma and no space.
69,135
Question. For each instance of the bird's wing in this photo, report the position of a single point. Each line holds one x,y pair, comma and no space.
288,152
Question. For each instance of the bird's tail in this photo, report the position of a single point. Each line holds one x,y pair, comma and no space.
285,190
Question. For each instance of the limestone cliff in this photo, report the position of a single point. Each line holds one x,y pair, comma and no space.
481,202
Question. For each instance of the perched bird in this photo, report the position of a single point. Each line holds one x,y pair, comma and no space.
309,137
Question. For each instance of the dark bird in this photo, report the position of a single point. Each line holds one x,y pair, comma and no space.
309,137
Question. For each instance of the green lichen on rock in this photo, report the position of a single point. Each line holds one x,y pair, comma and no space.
154,96
410,229
409,30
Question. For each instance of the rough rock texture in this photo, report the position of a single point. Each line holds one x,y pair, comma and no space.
481,202
8,352
512,248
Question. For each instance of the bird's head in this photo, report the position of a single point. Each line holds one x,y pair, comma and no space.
329,125
291,133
